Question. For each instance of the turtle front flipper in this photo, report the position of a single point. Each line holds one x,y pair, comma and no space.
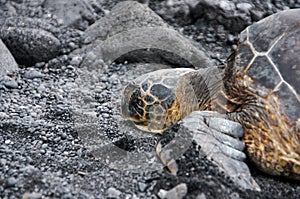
218,139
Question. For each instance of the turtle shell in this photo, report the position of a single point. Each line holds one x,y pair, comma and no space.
268,56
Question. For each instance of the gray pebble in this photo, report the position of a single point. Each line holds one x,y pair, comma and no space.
11,84
177,192
76,60
64,136
7,142
3,162
40,64
33,114
11,182
142,186
31,74
201,196
245,7
226,5
42,151
32,195
234,195
256,15
231,37
105,115
113,193
41,88
3,115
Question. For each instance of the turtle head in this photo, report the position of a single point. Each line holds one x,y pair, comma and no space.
151,106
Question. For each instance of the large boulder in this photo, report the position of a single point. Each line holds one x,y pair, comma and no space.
7,62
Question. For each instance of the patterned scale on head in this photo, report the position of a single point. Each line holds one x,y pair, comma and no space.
153,100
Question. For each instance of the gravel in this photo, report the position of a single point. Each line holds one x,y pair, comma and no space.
43,153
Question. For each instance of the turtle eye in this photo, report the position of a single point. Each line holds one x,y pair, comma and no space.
141,123
136,105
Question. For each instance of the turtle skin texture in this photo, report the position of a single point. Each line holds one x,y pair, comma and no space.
258,87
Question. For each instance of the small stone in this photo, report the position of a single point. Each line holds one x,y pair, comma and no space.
32,195
34,114
72,45
76,60
11,84
41,88
7,142
177,192
231,38
226,5
42,151
201,196
3,162
3,115
256,15
40,64
234,195
113,193
63,136
142,186
105,115
11,182
31,74
245,7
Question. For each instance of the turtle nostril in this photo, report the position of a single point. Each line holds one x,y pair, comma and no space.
141,123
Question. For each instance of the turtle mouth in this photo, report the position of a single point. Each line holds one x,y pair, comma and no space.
140,123
149,126
146,128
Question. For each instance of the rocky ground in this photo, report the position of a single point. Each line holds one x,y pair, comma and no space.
45,150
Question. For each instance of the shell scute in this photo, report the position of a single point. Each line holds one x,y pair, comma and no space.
289,101
264,33
275,43
286,56
263,71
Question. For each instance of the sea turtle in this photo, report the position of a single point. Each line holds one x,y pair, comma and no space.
258,87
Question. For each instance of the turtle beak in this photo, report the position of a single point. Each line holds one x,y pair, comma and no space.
124,109
126,97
